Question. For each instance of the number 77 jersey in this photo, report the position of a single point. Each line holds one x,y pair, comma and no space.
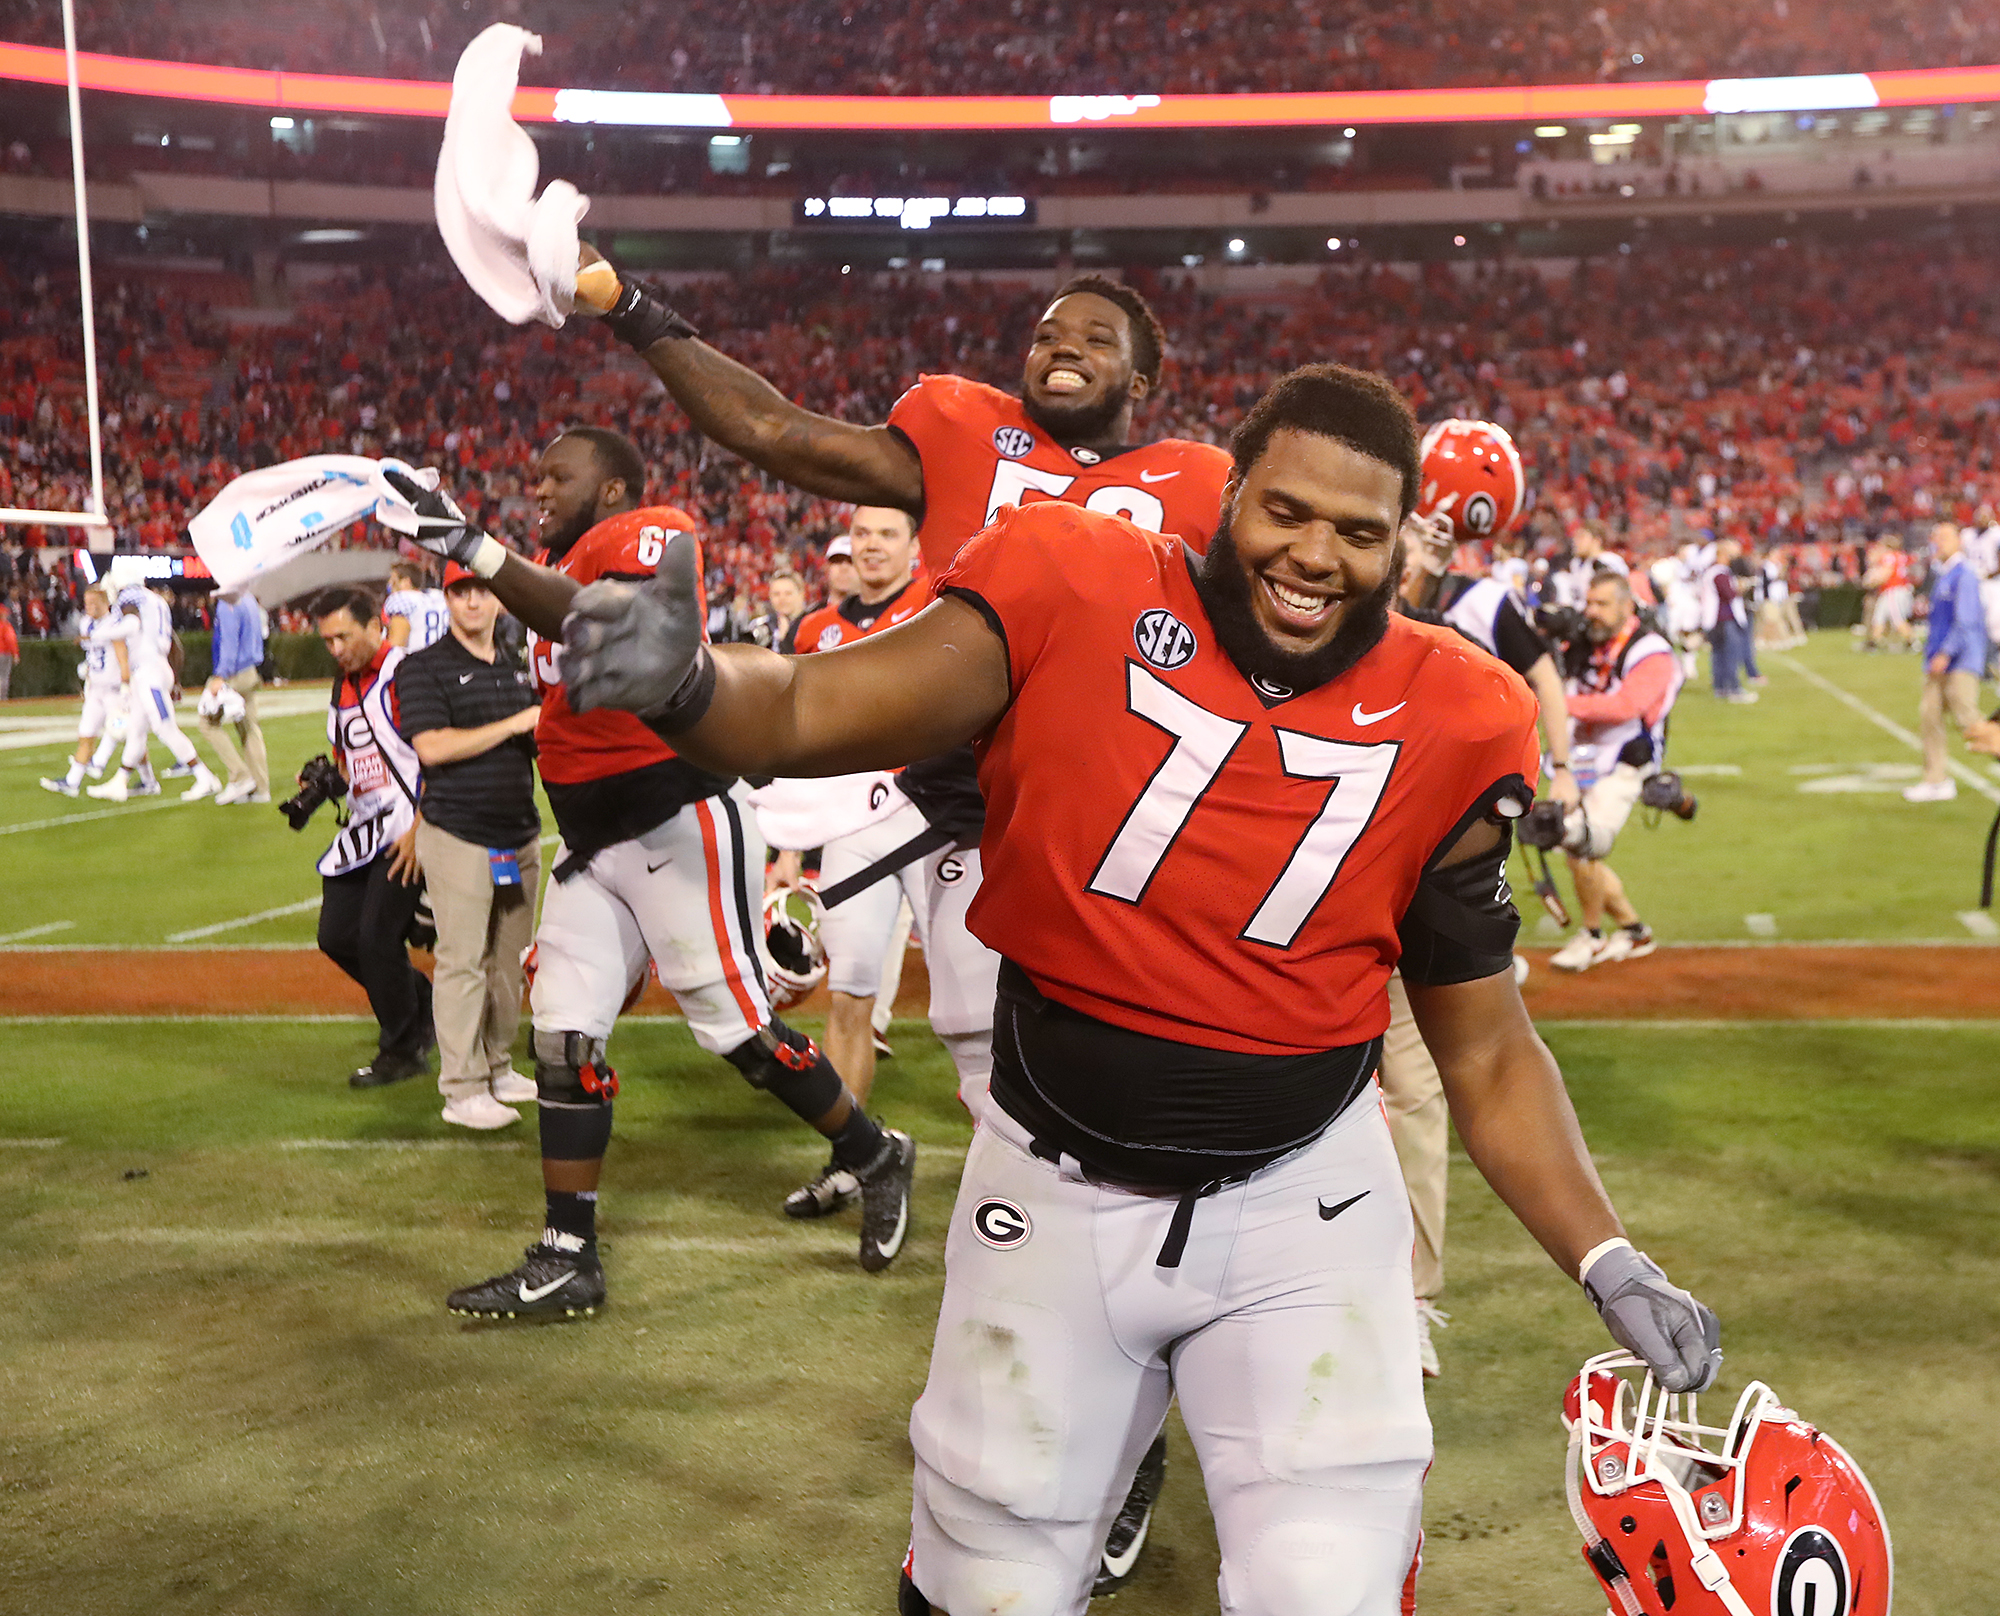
1177,850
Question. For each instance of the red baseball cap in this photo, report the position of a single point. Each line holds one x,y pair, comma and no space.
455,574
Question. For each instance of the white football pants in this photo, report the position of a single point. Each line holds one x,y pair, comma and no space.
150,711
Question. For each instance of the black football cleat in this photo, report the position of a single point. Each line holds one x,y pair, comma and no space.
1126,1540
389,1067
555,1280
885,1200
833,1190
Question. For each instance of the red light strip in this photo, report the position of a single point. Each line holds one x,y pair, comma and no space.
323,92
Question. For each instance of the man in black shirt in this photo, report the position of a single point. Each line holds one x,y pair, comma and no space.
470,712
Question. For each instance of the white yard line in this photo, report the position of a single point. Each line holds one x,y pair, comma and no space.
1979,923
38,931
85,818
247,920
29,1144
1965,776
1761,925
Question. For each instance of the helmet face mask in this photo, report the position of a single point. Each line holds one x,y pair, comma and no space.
795,959
1472,482
1766,1516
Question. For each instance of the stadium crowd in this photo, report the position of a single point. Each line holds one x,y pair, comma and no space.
1783,396
954,47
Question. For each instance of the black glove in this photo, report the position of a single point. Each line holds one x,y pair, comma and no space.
638,319
640,649
432,521
1679,1339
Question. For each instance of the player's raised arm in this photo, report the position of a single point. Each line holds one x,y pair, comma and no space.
539,596
905,694
732,405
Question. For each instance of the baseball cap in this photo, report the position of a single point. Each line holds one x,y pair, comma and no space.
455,574
840,548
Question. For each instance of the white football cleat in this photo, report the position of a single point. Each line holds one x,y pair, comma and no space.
1623,945
480,1110
1931,791
1578,954
205,785
113,790
511,1088
62,788
235,791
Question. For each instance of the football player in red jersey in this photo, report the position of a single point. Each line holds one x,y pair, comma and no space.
1226,796
658,860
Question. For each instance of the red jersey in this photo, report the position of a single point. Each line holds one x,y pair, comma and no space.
831,626
1176,851
980,452
574,746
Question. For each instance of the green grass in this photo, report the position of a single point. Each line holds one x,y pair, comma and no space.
230,1386
1823,864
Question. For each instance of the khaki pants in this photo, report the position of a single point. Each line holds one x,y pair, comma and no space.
1420,1128
1956,693
483,930
249,764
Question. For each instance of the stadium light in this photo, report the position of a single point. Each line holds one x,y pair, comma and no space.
1236,244
282,123
1551,131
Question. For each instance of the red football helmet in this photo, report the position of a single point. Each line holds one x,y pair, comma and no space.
1767,1517
1472,481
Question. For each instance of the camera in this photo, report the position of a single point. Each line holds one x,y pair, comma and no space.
1542,825
1664,790
320,780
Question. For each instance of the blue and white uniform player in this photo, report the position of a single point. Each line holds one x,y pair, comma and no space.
103,715
413,615
144,645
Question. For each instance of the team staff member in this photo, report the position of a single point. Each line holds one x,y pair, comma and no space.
470,713
236,650
371,877
1184,1184
658,860
1954,660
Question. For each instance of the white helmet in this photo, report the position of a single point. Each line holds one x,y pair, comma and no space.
791,940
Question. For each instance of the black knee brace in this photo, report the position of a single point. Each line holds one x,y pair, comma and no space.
909,1602
575,1088
789,1066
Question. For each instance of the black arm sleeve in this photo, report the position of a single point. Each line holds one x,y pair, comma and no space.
1516,641
1461,925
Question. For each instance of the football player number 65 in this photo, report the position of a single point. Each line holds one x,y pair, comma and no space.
651,546
1203,742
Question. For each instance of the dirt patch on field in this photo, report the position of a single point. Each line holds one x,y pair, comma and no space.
1774,983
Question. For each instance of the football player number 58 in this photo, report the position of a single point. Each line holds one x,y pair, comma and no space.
1203,742
1012,482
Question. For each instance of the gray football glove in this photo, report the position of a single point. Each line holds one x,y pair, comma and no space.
1679,1339
432,520
640,650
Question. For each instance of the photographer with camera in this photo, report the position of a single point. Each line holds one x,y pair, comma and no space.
1623,678
371,881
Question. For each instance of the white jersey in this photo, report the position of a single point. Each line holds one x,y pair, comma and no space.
1571,584
1476,612
154,614
424,611
143,650
799,814
100,660
1983,547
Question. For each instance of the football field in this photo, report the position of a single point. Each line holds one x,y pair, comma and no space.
231,1386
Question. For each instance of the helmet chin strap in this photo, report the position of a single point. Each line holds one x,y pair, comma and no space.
1596,1546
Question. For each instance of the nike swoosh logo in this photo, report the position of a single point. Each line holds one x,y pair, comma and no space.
1121,1564
894,1243
1157,477
1329,1213
540,1291
465,678
1375,718
655,869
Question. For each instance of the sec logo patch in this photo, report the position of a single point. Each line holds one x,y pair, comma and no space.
1013,441
1001,1224
1812,1576
1163,639
829,637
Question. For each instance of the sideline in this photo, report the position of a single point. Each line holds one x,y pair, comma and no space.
95,813
1965,776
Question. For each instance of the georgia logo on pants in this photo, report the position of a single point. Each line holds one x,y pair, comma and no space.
1001,1224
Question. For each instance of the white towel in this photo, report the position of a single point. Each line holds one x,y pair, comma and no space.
516,251
266,517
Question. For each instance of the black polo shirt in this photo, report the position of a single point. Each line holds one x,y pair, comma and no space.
488,799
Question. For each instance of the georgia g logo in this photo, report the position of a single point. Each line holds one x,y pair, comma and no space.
1000,1224
1013,441
1812,1576
1163,639
1482,512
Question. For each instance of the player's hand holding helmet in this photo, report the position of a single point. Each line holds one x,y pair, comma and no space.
641,650
792,917
1673,1334
1764,1517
